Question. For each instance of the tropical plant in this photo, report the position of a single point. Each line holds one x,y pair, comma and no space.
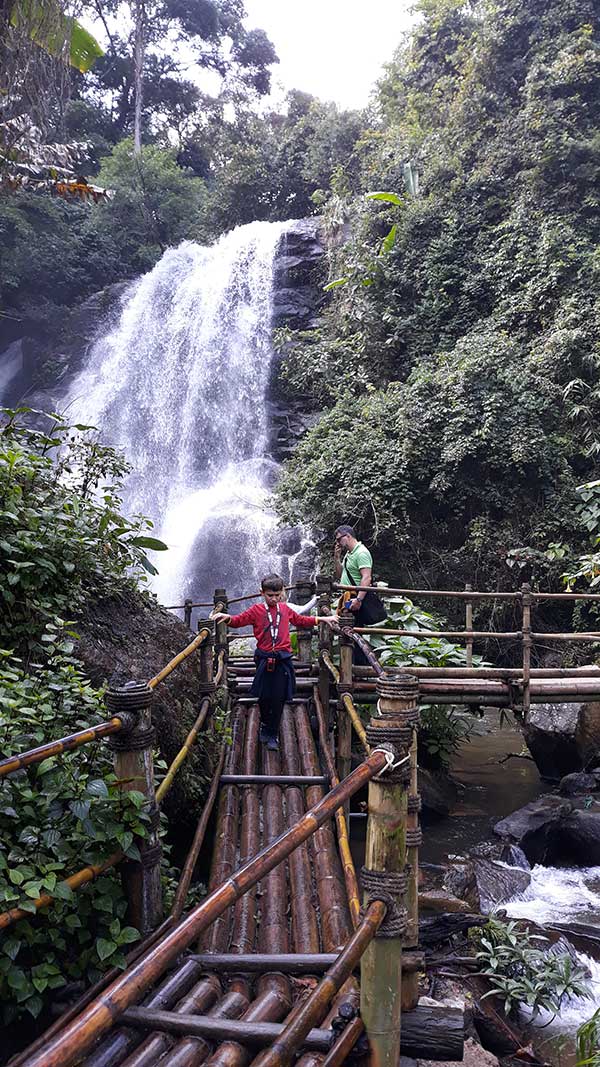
443,727
56,818
521,972
62,534
588,1042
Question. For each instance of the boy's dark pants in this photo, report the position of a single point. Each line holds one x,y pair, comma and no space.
273,687
272,698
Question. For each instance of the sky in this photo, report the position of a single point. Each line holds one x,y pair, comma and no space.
334,49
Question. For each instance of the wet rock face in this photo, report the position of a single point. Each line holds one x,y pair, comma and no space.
484,884
299,276
563,738
555,832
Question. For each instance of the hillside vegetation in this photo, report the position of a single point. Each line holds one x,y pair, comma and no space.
457,366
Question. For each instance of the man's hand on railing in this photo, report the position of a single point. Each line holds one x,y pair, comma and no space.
221,616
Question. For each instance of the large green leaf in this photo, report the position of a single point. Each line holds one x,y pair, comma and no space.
388,198
46,24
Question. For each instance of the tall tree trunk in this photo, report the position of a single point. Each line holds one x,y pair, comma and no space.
138,64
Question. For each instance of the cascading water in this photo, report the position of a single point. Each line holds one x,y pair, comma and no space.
180,384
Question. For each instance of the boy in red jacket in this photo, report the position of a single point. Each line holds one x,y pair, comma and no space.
274,682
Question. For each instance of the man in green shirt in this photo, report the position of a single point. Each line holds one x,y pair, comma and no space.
356,566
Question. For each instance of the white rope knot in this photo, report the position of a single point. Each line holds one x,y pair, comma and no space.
391,763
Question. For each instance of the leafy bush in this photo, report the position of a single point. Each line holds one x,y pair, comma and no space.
443,727
521,972
62,535
588,1042
55,818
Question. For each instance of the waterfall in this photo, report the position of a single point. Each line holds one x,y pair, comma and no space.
180,385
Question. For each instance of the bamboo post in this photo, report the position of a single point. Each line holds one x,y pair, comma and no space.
135,771
384,872
221,630
469,626
304,593
410,981
526,631
324,593
344,724
187,612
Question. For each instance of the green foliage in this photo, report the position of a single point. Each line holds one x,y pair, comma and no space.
521,972
55,818
448,439
588,1042
156,203
443,727
62,535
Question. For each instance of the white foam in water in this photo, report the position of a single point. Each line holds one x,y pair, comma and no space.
179,384
563,894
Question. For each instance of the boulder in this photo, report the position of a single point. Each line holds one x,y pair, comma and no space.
579,783
438,794
555,832
473,1056
130,638
550,736
563,738
532,827
485,884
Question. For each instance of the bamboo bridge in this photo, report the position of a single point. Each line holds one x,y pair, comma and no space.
293,956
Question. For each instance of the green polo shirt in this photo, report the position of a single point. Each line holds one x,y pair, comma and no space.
353,561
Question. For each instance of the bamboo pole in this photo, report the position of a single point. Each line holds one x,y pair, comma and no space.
189,1051
385,857
305,930
173,663
459,594
205,996
331,667
324,592
247,1033
355,719
336,925
273,779
312,1010
192,857
75,1040
469,626
258,962
75,881
183,753
380,631
506,673
304,591
135,771
344,726
63,744
342,829
410,943
526,639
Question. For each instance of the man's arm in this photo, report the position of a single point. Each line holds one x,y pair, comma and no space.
366,574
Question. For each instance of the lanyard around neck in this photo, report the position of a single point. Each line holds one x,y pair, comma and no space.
274,628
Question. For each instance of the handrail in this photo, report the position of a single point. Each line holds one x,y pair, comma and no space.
78,1037
61,745
75,881
343,840
348,703
173,663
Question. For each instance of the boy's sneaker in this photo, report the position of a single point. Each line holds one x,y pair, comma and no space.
273,744
264,734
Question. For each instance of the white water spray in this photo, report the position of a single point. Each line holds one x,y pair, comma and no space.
179,385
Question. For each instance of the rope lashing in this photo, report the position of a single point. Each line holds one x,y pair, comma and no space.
387,886
134,741
395,770
398,736
414,838
415,803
